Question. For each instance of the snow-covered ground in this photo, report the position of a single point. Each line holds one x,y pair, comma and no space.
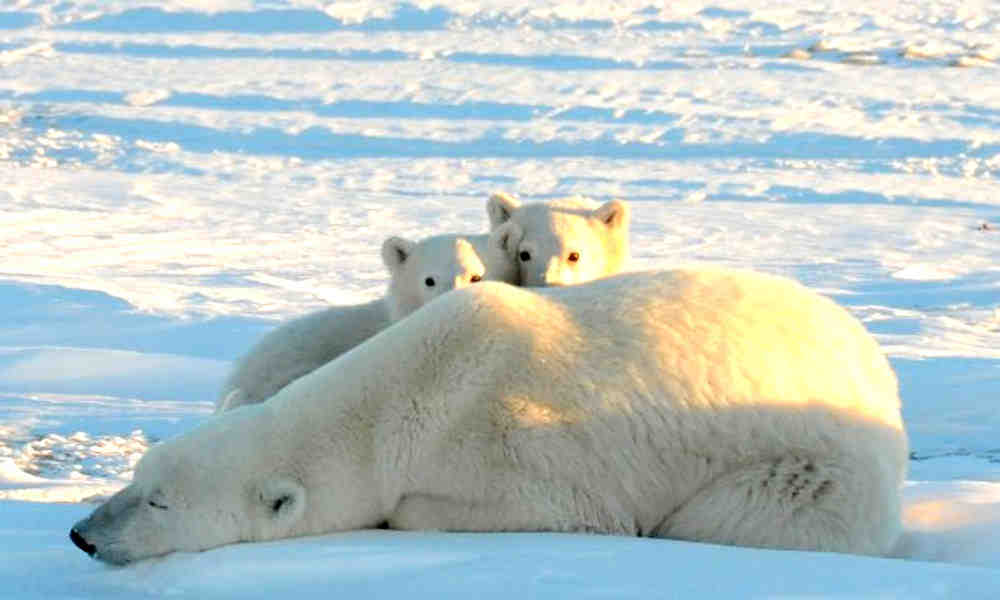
177,176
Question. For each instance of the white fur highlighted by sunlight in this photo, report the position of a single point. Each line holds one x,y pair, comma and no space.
419,272
563,242
704,404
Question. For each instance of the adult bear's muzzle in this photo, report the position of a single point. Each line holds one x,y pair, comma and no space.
100,534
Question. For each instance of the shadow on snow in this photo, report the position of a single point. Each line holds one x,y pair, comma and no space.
319,143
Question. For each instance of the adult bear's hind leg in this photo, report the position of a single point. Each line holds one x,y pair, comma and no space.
791,503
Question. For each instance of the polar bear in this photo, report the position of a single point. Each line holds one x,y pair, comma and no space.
562,242
701,404
566,241
419,271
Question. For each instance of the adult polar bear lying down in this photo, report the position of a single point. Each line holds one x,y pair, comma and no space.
702,404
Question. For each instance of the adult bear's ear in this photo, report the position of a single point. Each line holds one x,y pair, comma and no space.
395,251
507,239
500,207
614,214
283,500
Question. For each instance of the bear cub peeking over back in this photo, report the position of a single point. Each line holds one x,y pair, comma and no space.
419,272
567,241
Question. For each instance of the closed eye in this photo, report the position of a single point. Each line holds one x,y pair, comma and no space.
157,505
279,502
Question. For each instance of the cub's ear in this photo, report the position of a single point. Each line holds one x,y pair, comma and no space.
507,239
395,251
499,207
283,500
466,253
614,214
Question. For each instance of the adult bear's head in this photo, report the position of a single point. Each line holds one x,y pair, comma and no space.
219,484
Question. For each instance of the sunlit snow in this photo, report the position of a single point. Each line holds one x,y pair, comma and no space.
178,176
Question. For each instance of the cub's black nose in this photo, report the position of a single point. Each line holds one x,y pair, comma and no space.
81,543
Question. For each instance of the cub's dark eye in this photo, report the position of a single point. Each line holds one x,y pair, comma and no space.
524,255
476,278
429,282
573,256
157,505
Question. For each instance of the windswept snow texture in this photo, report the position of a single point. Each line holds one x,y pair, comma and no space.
178,176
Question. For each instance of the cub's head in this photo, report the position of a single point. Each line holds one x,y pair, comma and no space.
564,242
421,271
195,492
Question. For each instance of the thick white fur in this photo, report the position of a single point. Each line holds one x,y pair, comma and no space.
304,344
562,242
548,233
703,404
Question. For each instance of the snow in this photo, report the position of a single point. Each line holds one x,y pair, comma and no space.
381,564
176,177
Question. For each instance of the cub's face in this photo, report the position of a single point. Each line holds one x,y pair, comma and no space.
421,271
186,498
563,243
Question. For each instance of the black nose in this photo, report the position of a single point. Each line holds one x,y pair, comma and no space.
81,543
